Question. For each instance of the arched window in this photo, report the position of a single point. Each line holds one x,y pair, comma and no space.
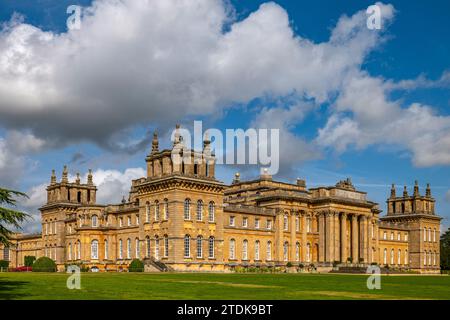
434,258
94,221
166,246
245,250
286,251
79,196
429,234
429,258
285,223
128,248
425,259
297,251
199,247
406,257
94,249
187,246
269,251
232,249
211,211
70,251
392,256
156,210
211,247
199,210
308,252
257,250
156,247
147,212
385,256
399,257
120,249
166,209
434,235
187,209
424,234
137,219
403,207
137,249
106,250
148,247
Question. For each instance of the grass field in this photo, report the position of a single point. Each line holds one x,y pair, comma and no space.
220,286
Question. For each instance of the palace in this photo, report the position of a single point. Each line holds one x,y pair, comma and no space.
180,217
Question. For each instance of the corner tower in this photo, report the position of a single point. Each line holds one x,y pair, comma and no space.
417,213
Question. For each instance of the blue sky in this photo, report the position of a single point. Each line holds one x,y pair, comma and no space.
413,43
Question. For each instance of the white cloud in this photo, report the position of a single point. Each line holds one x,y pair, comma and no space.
133,62
375,119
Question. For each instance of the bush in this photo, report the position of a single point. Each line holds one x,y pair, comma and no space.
29,260
136,266
288,264
4,264
44,264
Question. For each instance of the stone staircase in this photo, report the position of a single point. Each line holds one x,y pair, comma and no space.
153,265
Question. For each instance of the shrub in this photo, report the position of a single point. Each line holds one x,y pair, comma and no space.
29,260
4,264
288,264
44,264
301,266
136,266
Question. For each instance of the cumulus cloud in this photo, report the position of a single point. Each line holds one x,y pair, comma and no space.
140,62
364,115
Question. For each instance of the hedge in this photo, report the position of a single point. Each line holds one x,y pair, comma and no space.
4,264
44,264
136,266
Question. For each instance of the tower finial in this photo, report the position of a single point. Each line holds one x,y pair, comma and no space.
78,180
405,192
428,191
65,175
53,177
155,143
416,188
393,195
176,138
89,178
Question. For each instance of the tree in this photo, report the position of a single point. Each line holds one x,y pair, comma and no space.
10,217
445,250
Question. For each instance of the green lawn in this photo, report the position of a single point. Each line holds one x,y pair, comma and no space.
220,286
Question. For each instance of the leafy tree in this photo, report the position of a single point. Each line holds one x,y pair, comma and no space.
445,250
10,217
29,260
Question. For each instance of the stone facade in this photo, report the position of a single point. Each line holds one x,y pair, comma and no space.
180,217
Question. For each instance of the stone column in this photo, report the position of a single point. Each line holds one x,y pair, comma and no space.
332,236
337,238
344,237
292,236
327,237
321,237
354,238
304,237
363,238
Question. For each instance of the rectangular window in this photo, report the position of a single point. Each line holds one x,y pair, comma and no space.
129,221
257,223
137,220
232,221
120,222
245,222
297,224
385,235
269,224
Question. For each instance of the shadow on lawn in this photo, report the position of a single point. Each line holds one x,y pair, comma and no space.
7,288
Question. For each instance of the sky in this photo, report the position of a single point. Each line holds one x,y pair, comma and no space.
373,105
